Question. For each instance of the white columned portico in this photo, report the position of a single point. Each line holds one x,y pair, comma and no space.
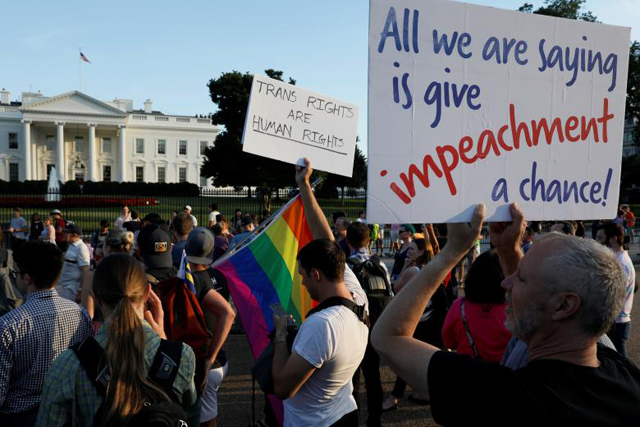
60,167
26,149
93,175
122,173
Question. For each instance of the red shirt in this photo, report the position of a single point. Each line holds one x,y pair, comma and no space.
486,322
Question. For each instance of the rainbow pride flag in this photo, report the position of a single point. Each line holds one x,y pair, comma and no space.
265,271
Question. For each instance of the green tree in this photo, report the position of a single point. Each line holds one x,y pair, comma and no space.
570,9
225,162
334,182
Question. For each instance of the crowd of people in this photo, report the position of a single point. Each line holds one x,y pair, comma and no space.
126,326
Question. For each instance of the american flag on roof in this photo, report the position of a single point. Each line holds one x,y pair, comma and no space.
84,58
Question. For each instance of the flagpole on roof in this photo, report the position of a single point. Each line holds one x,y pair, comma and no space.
80,67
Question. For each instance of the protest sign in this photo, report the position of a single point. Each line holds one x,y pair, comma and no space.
471,104
285,122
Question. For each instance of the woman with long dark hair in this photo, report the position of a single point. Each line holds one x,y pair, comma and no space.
475,323
130,338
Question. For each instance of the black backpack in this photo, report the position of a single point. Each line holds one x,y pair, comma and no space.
375,282
162,373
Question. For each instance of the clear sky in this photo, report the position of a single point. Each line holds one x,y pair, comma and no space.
168,50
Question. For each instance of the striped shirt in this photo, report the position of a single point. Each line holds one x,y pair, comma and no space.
69,397
31,337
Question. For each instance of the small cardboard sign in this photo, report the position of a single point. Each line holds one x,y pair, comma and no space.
285,122
471,104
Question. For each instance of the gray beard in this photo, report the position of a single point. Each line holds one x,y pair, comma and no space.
524,324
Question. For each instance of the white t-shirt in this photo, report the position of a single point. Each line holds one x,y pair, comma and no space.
333,340
212,217
630,274
195,221
77,256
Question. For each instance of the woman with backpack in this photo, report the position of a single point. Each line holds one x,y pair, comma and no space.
80,390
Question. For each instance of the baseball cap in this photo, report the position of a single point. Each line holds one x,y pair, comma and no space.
246,220
199,246
55,211
187,207
73,229
155,246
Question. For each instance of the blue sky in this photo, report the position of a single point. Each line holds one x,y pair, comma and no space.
168,50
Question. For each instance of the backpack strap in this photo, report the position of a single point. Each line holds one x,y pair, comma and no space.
91,357
165,365
358,310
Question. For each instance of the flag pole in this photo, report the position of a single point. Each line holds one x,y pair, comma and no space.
80,67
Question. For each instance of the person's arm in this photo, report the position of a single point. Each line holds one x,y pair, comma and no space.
431,235
315,217
406,275
217,305
289,372
87,298
392,335
506,237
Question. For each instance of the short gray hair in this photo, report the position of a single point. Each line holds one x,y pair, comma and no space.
590,270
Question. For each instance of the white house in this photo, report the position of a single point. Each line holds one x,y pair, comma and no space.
92,140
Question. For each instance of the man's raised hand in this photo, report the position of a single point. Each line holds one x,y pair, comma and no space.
303,173
462,236
507,235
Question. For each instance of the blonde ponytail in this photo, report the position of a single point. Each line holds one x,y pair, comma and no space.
119,283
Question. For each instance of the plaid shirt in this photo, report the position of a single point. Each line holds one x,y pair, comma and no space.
31,337
69,397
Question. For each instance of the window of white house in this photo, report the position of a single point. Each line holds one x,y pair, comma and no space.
49,167
106,173
50,142
203,181
139,146
162,174
203,147
182,150
139,173
182,175
106,145
14,171
13,141
162,146
79,144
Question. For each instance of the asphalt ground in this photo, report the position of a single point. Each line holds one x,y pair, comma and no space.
237,403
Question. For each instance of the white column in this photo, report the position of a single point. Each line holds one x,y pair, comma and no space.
122,177
34,160
60,166
93,173
26,149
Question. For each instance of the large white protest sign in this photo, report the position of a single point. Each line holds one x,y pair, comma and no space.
285,122
471,104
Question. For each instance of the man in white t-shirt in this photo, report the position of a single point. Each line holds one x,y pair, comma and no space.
213,214
187,210
124,217
611,235
315,379
75,270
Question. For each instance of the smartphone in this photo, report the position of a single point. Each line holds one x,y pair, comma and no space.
278,309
